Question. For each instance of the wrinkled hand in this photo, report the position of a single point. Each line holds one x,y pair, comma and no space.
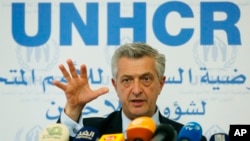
77,90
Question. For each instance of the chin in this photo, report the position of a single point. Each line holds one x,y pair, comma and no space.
139,112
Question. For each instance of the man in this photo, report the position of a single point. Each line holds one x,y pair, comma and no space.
138,78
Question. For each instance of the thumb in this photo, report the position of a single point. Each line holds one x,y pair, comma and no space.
102,91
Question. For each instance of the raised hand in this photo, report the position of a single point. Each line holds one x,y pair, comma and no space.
77,90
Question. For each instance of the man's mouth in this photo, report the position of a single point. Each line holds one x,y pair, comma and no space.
137,102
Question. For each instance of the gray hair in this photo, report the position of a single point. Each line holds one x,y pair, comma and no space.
136,51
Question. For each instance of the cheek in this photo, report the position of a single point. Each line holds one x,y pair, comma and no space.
122,92
153,92
153,89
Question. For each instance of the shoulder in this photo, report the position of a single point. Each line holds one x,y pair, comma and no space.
176,125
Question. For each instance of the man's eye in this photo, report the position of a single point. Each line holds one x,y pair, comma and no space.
126,80
147,80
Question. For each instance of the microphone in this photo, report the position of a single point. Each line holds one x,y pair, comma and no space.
141,129
164,132
219,137
192,131
113,137
87,134
54,132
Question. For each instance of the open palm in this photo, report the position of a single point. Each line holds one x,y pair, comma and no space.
77,90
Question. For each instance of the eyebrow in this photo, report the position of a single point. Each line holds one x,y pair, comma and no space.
144,74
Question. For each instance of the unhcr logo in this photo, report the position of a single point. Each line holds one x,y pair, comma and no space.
216,56
43,58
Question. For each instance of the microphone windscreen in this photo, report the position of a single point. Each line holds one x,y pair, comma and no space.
141,128
113,137
192,131
219,137
164,132
87,134
54,132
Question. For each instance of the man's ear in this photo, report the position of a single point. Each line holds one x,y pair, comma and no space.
114,83
162,81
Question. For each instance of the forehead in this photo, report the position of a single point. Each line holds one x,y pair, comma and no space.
138,66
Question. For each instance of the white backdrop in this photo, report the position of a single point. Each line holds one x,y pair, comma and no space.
207,82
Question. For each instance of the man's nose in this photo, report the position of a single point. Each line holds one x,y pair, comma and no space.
137,88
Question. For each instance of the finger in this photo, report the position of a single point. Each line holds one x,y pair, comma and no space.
59,84
65,72
101,91
83,72
72,68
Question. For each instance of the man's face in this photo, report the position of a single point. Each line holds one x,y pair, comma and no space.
137,86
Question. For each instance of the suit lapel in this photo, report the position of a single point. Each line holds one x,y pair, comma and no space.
113,123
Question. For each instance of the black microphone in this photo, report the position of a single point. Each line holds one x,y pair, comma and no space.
192,131
164,132
87,134
219,137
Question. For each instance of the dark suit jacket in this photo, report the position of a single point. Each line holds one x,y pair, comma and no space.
113,124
